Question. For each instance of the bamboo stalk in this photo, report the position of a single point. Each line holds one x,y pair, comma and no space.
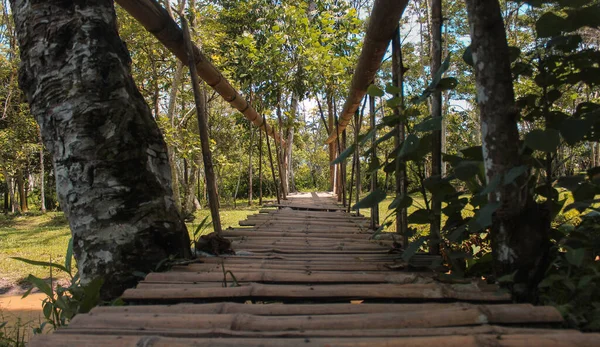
382,23
211,183
160,24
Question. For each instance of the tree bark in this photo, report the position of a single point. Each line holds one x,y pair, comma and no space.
112,170
519,232
283,176
333,144
21,190
250,167
42,176
436,112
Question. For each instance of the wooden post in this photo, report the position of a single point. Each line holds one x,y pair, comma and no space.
250,167
279,169
374,209
399,137
211,184
275,183
340,171
260,172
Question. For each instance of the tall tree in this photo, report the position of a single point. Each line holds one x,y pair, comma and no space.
112,171
436,112
520,228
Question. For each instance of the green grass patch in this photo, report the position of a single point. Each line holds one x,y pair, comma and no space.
44,237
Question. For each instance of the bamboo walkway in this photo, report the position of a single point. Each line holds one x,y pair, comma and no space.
307,274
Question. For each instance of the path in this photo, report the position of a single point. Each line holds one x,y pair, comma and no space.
309,275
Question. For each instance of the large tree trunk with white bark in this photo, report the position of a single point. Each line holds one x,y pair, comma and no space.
520,227
112,171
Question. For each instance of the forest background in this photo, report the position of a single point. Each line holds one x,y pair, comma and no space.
294,63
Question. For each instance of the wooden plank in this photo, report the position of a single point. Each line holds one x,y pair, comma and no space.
496,314
441,317
286,277
410,332
552,339
406,292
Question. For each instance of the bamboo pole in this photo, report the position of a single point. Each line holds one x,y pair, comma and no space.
211,183
160,24
271,161
382,23
401,182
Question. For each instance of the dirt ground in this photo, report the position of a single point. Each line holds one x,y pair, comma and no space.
20,314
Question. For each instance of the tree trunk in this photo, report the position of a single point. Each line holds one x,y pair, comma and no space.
250,167
112,171
177,77
436,112
21,191
519,233
280,153
42,176
332,145
260,171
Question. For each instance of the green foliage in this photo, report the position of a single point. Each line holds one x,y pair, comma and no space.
63,303
572,281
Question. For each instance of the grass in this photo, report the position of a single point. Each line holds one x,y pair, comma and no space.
44,237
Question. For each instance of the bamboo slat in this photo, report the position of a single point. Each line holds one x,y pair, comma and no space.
551,339
256,291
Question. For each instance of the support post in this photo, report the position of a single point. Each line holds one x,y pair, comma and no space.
275,183
374,209
211,184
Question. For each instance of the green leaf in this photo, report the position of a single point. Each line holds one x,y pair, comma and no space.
447,83
494,183
468,56
546,140
514,53
386,137
374,91
575,256
570,182
91,295
47,309
467,169
514,173
409,145
413,248
344,155
41,263
41,285
549,24
362,139
420,216
483,217
575,130
371,200
198,229
69,256
431,124
391,89
474,153
401,201
394,102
